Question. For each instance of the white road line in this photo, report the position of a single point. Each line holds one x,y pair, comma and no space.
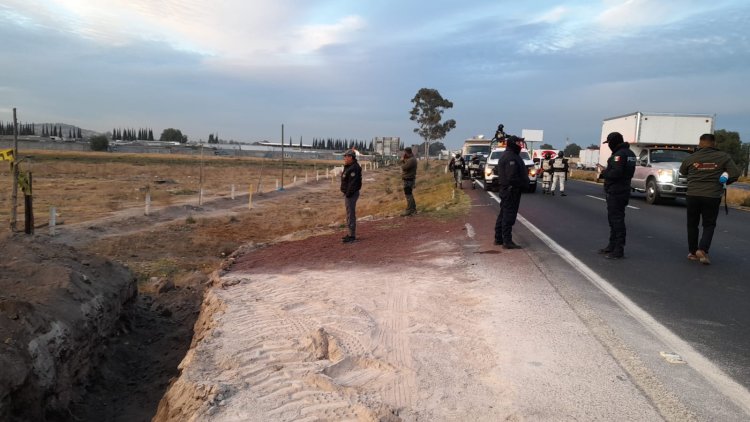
602,199
725,384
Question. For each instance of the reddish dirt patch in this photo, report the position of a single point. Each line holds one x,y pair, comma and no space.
374,246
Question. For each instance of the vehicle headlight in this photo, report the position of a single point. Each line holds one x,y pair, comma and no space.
665,176
532,171
488,172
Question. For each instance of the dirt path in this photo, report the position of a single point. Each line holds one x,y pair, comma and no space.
422,319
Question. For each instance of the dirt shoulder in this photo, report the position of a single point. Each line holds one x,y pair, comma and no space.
421,319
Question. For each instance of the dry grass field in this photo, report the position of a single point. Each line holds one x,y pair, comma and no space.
84,187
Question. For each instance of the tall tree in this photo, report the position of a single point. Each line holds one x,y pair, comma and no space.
427,111
730,143
173,135
572,150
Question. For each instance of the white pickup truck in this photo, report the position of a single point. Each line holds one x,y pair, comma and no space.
660,142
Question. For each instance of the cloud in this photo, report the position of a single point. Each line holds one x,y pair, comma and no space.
231,31
315,37
553,16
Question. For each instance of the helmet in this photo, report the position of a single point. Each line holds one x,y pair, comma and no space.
458,155
500,127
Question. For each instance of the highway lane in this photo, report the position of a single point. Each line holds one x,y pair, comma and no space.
707,306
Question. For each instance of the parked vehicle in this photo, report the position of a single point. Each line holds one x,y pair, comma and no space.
490,178
660,142
588,159
475,146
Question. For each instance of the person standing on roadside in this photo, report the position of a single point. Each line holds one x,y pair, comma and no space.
456,166
559,166
707,170
409,176
351,183
512,178
617,175
546,168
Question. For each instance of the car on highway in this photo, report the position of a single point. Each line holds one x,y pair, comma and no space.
490,178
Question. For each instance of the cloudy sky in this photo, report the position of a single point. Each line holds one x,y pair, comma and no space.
347,69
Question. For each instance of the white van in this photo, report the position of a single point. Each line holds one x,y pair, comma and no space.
490,178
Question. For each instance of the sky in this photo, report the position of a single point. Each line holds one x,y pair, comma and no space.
348,69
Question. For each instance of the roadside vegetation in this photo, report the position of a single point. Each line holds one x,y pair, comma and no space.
88,186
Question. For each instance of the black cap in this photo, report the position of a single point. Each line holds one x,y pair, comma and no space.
614,138
350,153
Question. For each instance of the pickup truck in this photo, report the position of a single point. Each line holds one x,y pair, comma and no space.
660,142
490,178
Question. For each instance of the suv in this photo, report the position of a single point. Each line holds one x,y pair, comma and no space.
490,178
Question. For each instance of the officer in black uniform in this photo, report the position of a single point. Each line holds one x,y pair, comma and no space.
512,179
499,136
617,175
351,183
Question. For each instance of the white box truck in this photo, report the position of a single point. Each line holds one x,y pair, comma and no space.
588,159
660,142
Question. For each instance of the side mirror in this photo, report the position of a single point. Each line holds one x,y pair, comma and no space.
643,162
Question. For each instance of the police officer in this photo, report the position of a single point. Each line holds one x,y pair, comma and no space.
499,135
351,183
617,175
512,179
559,166
456,166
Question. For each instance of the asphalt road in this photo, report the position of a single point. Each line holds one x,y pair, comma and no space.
707,306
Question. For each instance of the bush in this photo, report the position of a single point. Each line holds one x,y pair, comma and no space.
99,143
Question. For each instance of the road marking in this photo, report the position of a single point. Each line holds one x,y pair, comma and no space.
602,199
470,231
730,388
712,373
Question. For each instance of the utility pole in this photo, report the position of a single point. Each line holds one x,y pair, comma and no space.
14,168
282,157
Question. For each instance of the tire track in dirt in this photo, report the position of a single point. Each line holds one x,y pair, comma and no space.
393,335
300,361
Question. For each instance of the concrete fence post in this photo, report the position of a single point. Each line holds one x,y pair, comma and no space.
232,192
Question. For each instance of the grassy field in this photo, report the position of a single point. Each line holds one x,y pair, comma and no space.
84,186
87,186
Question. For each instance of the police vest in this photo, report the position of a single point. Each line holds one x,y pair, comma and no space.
558,165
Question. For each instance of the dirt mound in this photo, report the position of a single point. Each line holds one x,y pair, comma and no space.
56,307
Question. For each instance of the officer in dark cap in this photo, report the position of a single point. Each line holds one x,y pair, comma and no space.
512,178
499,135
617,175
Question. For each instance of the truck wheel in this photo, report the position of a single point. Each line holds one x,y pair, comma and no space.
486,186
532,188
652,193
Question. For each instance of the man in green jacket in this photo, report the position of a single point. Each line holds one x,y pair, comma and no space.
409,175
707,169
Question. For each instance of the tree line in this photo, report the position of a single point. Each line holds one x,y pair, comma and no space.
132,135
339,144
29,129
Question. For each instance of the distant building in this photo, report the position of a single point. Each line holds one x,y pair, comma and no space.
387,145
